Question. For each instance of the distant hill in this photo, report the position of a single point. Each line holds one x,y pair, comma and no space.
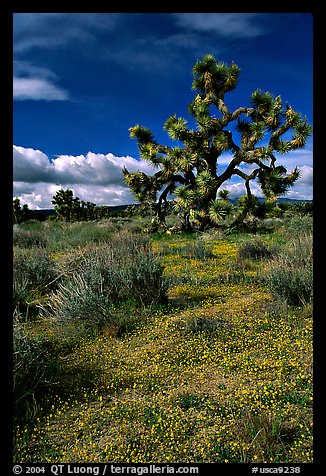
291,200
279,200
45,212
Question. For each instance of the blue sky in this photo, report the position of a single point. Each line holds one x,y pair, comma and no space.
82,79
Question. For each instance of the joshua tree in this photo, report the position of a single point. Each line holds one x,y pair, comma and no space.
21,214
69,208
64,204
189,175
17,211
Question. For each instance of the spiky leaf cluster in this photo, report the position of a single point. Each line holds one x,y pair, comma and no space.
275,181
212,79
218,210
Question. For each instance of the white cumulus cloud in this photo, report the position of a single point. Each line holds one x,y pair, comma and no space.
306,175
92,177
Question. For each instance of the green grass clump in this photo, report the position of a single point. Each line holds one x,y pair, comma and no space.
28,368
255,249
29,235
289,276
34,275
108,277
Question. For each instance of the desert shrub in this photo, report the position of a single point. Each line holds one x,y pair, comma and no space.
289,275
196,247
110,276
238,276
255,250
303,208
125,269
76,301
270,224
276,212
35,266
297,225
34,273
80,234
189,400
21,297
37,365
250,223
29,237
266,432
28,367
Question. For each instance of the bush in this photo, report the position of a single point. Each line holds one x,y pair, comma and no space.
35,266
21,297
276,212
302,207
34,273
28,367
28,237
270,224
125,269
297,225
38,364
255,250
76,301
124,272
289,276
